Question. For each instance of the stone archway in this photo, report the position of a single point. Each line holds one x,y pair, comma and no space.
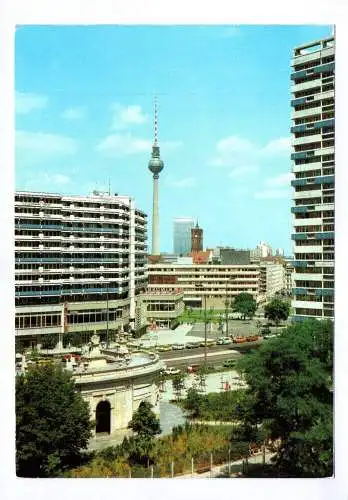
103,417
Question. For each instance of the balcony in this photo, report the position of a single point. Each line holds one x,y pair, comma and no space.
298,87
307,194
328,235
307,139
325,179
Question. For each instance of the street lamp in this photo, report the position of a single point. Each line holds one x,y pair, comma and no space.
200,287
227,304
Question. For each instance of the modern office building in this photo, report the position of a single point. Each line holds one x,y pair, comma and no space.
313,165
196,239
199,281
80,261
182,235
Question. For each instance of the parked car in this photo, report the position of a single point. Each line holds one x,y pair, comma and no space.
171,371
192,345
271,336
210,343
163,348
223,341
178,347
193,368
252,338
239,340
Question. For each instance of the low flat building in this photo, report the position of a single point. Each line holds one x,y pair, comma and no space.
205,282
161,308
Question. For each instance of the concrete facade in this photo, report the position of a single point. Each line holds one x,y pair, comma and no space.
313,165
215,282
272,279
161,307
80,262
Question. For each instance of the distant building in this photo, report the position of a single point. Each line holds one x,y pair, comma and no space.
182,235
262,250
279,251
231,256
196,239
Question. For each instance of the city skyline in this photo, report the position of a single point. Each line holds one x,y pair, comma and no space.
84,115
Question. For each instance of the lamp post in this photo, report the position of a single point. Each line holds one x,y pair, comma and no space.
230,280
200,287
107,314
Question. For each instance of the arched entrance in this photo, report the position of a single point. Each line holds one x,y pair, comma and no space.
103,417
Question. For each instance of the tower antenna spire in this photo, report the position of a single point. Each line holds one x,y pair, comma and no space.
155,121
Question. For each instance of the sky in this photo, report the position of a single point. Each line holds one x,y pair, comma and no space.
84,113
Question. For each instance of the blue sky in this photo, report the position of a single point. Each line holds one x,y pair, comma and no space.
84,104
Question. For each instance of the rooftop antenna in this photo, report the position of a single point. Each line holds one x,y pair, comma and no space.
109,186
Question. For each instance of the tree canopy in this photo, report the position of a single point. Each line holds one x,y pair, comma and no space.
245,304
277,310
289,391
144,422
52,422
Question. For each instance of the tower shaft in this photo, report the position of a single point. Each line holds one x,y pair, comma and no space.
155,218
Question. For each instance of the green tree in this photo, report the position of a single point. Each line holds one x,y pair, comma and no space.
144,422
52,422
193,402
178,382
289,393
245,305
277,310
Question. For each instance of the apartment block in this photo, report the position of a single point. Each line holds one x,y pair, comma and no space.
313,165
80,261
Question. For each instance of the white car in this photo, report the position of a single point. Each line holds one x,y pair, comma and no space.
171,371
178,347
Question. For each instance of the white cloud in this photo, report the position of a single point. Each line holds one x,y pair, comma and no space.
45,180
280,180
233,150
186,182
277,146
272,194
34,147
116,145
123,145
125,116
26,102
41,141
244,170
72,114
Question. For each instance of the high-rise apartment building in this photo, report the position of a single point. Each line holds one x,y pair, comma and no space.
182,235
313,160
79,263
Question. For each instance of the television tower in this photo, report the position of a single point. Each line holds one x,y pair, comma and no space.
155,166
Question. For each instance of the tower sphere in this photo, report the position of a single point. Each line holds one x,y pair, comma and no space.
156,165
